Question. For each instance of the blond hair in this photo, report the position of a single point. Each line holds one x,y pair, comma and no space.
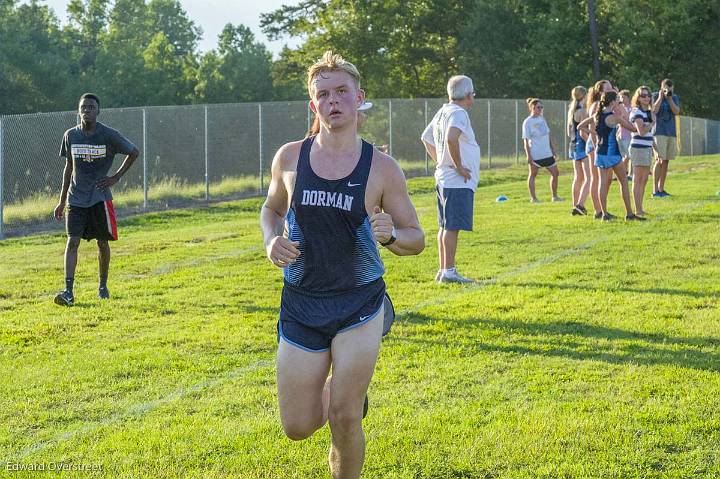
577,94
531,102
331,62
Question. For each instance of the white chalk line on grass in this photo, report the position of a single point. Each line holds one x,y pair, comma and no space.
139,409
143,408
190,263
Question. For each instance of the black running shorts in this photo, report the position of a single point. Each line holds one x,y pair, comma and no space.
310,322
96,222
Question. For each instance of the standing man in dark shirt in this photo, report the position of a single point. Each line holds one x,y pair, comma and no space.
89,149
666,104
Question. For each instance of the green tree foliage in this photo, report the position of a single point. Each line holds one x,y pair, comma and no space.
144,52
403,48
33,56
147,54
511,48
238,71
130,52
669,39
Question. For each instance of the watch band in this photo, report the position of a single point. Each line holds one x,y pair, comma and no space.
392,239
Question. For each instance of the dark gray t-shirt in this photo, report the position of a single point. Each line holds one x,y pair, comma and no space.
92,156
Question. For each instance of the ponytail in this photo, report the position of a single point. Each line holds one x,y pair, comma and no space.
531,102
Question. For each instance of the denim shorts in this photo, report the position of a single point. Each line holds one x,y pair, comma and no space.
607,161
455,208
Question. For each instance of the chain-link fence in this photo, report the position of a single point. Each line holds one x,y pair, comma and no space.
199,153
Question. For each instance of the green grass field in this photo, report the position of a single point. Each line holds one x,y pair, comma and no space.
586,350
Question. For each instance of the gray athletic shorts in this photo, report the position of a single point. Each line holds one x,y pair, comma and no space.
455,208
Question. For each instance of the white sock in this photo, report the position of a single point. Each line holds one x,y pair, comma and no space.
449,270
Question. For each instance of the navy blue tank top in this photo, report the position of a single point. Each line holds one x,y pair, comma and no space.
328,218
579,141
607,143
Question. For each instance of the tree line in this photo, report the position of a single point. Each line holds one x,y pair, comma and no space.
129,52
144,52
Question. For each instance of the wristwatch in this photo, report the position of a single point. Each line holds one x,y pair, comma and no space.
393,237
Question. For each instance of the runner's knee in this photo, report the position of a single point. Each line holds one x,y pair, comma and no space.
343,418
298,430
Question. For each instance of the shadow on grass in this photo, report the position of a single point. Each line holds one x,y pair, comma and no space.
573,340
662,291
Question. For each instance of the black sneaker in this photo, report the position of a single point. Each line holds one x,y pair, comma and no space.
576,211
634,217
103,293
582,208
665,193
608,217
365,407
64,298
598,216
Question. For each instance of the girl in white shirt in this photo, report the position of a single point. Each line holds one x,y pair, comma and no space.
539,149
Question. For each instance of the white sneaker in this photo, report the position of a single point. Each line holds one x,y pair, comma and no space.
454,277
557,199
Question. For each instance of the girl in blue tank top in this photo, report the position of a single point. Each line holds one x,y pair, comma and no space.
602,127
581,163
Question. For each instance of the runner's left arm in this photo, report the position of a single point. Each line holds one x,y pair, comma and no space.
397,212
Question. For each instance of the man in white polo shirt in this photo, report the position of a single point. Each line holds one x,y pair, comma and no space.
449,139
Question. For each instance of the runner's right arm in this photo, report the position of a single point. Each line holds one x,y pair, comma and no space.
279,249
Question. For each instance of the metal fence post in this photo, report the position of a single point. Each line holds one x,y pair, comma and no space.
691,136
390,139
705,141
427,166
2,181
517,133
207,176
260,142
144,155
489,148
564,134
